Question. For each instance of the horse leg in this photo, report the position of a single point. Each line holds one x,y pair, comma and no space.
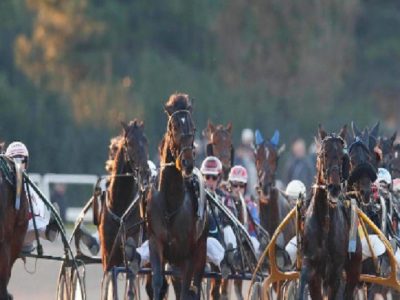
187,274
304,278
5,271
314,285
149,288
353,271
238,289
199,268
157,268
224,289
214,288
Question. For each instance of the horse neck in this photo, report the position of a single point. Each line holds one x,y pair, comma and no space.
171,180
122,188
320,203
270,211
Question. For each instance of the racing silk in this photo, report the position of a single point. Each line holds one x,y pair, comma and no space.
215,217
40,212
255,217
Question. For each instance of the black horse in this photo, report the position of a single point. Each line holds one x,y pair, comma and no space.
177,233
327,225
128,179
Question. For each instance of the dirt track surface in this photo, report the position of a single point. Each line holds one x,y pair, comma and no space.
42,284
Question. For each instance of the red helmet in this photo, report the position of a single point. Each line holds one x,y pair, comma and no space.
238,174
211,166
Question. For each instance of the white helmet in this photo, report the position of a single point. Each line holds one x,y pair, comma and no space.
238,174
17,148
211,165
247,136
384,175
396,185
296,188
153,169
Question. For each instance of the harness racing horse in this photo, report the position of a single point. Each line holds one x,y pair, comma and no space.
176,226
362,171
129,178
220,145
13,221
273,205
327,225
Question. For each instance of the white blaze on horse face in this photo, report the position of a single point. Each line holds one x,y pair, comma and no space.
183,120
266,152
396,154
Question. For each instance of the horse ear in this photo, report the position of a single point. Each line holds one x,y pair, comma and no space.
321,132
141,124
191,104
393,138
209,149
210,127
346,167
343,132
125,127
232,155
167,110
259,137
365,138
229,127
356,131
275,138
281,149
374,131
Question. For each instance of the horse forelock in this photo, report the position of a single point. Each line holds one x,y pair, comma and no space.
178,101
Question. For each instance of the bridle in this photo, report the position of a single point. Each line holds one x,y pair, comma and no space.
321,156
185,122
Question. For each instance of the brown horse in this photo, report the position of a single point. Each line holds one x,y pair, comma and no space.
220,145
362,170
273,205
13,223
129,177
175,233
327,225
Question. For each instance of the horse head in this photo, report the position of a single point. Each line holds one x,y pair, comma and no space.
135,147
220,145
385,144
333,161
394,162
362,170
266,157
180,134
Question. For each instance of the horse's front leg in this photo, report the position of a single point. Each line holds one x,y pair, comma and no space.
157,269
200,262
187,275
5,271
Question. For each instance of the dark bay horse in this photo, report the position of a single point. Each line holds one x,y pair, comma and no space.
175,234
327,226
13,223
220,145
129,177
273,205
362,169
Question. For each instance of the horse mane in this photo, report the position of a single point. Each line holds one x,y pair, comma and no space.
178,101
115,145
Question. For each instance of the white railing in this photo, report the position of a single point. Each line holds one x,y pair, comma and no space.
44,182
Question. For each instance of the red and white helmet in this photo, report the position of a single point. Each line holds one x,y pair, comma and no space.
16,149
238,174
211,166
